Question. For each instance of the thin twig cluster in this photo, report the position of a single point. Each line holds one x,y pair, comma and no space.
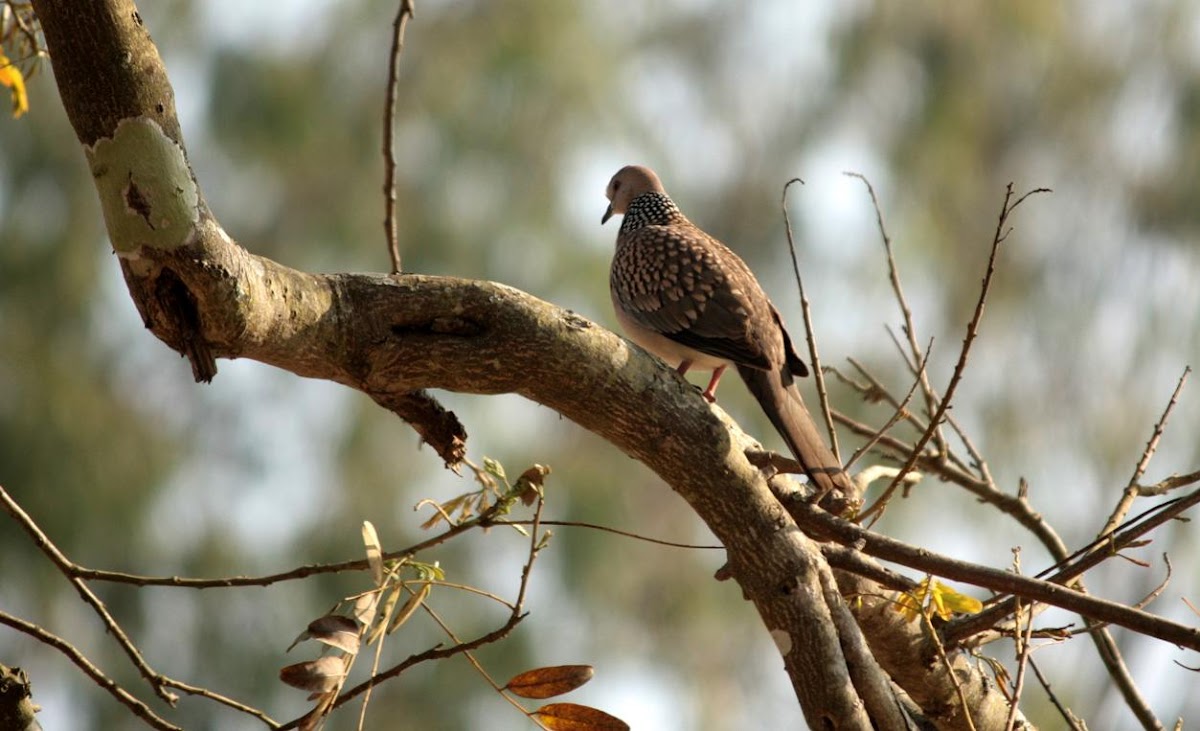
1016,599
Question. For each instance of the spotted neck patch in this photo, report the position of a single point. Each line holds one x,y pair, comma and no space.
651,209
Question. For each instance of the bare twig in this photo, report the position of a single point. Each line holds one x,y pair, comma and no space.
818,375
89,597
978,462
1024,646
901,411
616,532
363,630
464,588
1092,555
403,14
941,653
877,391
1065,712
1015,505
485,519
1006,210
535,545
1157,591
1132,490
827,527
1114,663
1144,602
1173,482
1079,563
470,656
302,572
909,329
139,709
1019,507
219,698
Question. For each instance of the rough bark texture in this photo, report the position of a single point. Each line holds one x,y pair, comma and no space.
16,706
392,337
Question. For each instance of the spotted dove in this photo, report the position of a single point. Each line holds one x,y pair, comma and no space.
685,297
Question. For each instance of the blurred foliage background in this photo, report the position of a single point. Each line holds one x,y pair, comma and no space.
511,118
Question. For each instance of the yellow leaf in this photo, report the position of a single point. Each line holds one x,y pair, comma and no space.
941,600
948,601
11,77
411,605
910,603
389,603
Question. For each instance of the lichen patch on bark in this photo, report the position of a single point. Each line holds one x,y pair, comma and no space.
146,188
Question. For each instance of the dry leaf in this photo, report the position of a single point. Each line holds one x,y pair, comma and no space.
574,717
414,601
374,551
550,681
364,607
337,631
389,603
318,676
330,630
529,484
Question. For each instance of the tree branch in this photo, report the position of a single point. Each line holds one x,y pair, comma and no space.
138,708
830,527
393,337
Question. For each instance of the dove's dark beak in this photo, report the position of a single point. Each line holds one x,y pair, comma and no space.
607,215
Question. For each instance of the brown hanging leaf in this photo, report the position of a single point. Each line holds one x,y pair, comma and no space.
574,717
530,482
374,551
318,676
410,606
337,631
332,630
550,681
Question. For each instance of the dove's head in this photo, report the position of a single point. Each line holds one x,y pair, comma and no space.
629,182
